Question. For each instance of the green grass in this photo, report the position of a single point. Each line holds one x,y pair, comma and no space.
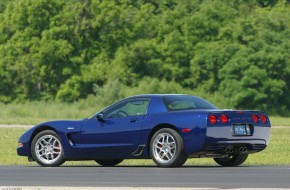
32,113
277,153
280,121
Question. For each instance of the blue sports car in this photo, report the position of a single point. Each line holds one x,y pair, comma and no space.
168,128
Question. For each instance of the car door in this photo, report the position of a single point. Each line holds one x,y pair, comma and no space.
119,130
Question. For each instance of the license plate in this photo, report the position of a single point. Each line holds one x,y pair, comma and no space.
241,130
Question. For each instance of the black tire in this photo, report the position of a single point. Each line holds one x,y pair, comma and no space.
167,154
108,163
47,150
231,161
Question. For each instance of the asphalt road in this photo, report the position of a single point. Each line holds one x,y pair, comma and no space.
95,176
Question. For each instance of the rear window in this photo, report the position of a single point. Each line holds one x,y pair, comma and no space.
176,103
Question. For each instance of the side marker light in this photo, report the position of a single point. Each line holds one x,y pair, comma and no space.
186,130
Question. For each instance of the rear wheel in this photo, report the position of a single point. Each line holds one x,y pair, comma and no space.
46,149
166,148
108,163
234,160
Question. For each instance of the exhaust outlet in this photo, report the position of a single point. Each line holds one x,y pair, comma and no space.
243,149
229,150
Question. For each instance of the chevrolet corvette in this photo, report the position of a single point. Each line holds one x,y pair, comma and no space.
168,128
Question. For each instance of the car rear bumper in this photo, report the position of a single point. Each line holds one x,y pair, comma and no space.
220,141
224,135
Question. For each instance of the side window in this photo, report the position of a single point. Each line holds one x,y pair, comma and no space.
128,108
181,105
184,102
137,107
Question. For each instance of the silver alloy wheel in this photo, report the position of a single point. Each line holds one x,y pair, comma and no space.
48,149
164,148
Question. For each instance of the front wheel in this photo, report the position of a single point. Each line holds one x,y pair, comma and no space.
108,163
166,148
234,160
46,149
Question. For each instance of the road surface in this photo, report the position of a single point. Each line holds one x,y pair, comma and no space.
151,176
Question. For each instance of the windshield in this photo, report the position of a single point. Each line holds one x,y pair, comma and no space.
184,102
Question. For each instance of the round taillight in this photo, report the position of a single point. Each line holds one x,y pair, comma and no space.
255,118
263,118
224,118
213,119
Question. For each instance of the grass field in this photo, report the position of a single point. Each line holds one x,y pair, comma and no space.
277,153
32,113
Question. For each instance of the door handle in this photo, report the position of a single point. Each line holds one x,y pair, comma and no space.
133,120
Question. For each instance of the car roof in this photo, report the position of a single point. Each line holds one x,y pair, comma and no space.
156,95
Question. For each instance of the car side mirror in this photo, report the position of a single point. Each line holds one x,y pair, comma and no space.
100,116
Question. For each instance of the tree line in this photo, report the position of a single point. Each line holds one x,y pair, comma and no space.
234,53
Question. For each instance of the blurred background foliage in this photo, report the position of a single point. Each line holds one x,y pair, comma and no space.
233,53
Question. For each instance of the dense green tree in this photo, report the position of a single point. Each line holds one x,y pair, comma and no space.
257,76
234,53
